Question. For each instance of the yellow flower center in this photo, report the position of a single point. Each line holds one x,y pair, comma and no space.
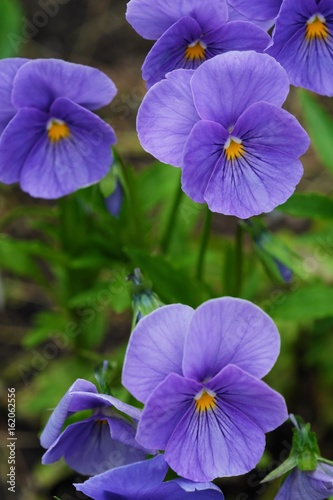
316,28
195,50
57,130
233,149
205,400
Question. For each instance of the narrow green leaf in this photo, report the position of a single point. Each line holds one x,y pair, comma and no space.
319,126
312,205
305,304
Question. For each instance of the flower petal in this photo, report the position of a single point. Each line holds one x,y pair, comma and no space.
299,485
39,83
89,449
166,117
8,70
256,9
255,399
168,53
237,35
230,331
131,481
169,402
202,151
61,412
156,349
181,489
235,81
54,170
151,18
24,131
214,443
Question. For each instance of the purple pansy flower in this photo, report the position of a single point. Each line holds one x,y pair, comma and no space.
51,142
198,373
303,43
223,125
144,481
303,485
188,33
256,11
98,443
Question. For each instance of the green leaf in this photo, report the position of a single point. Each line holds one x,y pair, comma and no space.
320,127
312,205
285,467
308,303
11,39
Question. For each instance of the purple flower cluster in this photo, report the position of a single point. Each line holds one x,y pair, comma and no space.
189,33
198,374
51,142
224,126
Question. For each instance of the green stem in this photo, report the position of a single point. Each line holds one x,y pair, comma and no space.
204,243
167,236
239,260
127,177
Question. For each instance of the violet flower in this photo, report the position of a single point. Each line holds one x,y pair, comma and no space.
303,43
98,443
51,142
189,33
143,481
224,126
198,373
306,485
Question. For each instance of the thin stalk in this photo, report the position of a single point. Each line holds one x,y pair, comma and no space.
167,235
239,260
204,243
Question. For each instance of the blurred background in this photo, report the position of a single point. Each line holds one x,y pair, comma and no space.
64,300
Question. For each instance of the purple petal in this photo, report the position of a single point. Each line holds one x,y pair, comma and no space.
235,81
299,485
234,15
17,141
85,401
257,9
89,449
39,83
230,331
114,201
50,170
151,18
255,399
268,172
182,489
237,35
168,53
214,443
155,349
8,70
308,63
171,400
132,481
61,412
201,154
166,117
